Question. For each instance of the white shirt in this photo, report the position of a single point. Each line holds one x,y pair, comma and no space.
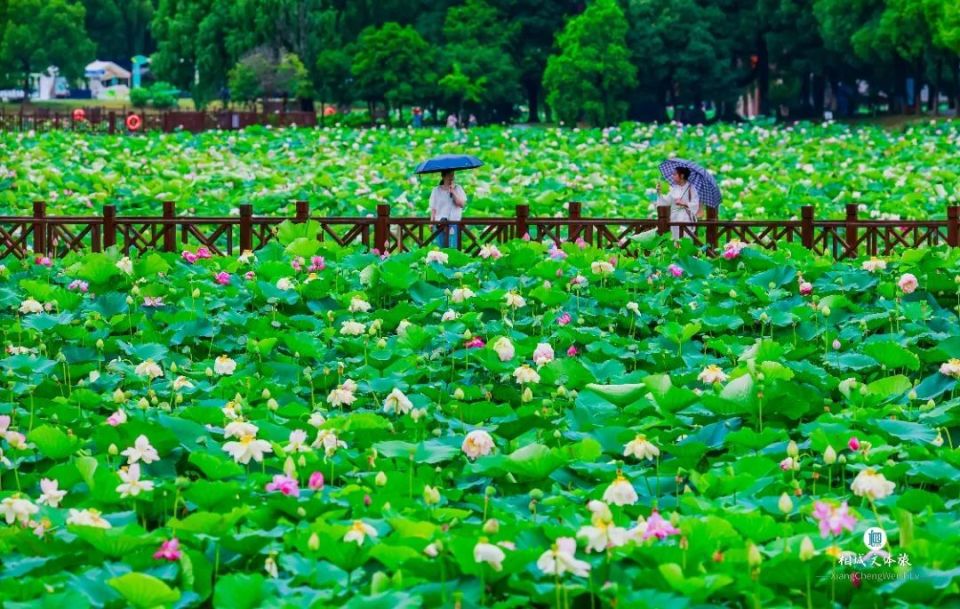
441,203
686,194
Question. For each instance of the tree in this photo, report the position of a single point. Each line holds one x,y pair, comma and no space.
332,77
263,72
592,74
391,64
478,66
41,33
120,28
244,84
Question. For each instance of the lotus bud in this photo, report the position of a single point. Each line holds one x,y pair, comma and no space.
381,479
314,542
143,404
118,396
490,491
437,432
208,371
785,504
196,292
112,450
842,459
173,367
289,468
272,404
561,391
792,450
458,394
536,494
467,335
807,551
302,461
100,344
928,405
431,495
178,398
527,395
754,558
265,394
732,294
557,434
301,512
491,526
829,455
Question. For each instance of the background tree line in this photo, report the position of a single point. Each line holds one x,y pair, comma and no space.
594,60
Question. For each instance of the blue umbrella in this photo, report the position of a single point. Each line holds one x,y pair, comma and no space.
449,162
701,179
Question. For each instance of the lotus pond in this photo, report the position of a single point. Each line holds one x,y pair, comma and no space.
317,427
765,172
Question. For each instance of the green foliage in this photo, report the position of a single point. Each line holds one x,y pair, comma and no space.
41,33
139,97
591,75
392,63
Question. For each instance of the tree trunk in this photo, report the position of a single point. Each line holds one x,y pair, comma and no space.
533,99
956,86
763,72
819,90
937,85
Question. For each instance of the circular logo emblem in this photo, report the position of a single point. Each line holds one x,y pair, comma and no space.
875,538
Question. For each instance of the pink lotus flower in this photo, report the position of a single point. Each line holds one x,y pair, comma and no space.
297,264
564,319
367,500
580,243
203,252
317,263
732,249
908,283
376,251
116,419
153,301
557,253
833,519
189,257
316,481
675,270
223,278
659,528
853,444
169,550
806,288
475,343
572,351
44,261
559,272
526,236
787,464
249,276
78,285
285,484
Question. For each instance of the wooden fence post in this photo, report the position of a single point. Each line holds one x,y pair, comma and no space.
39,228
850,232
806,226
246,228
953,225
381,230
663,219
523,213
573,230
109,226
303,212
169,227
712,232
112,125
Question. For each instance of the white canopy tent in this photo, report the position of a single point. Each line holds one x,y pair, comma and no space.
107,80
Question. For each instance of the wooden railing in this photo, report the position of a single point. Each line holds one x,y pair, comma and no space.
41,234
101,121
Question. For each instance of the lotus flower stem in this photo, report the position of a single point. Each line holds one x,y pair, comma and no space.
809,592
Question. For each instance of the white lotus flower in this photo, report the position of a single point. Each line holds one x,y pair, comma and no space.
561,559
461,294
437,256
526,374
141,450
504,349
951,368
601,267
620,492
488,553
543,354
873,265
633,308
871,484
328,440
602,535
352,328
182,382
132,485
450,315
358,532
712,374
87,518
51,493
402,328
148,369
238,429
397,402
30,305
641,448
297,442
515,300
359,305
284,284
478,443
125,265
490,251
341,396
225,366
17,509
249,447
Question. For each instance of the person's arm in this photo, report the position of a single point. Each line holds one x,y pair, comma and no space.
459,197
694,203
433,206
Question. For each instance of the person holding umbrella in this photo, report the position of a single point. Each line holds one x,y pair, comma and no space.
448,199
446,205
689,185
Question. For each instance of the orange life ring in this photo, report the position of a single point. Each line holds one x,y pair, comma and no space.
134,122
79,114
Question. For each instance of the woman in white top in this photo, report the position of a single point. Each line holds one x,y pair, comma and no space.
446,203
683,199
